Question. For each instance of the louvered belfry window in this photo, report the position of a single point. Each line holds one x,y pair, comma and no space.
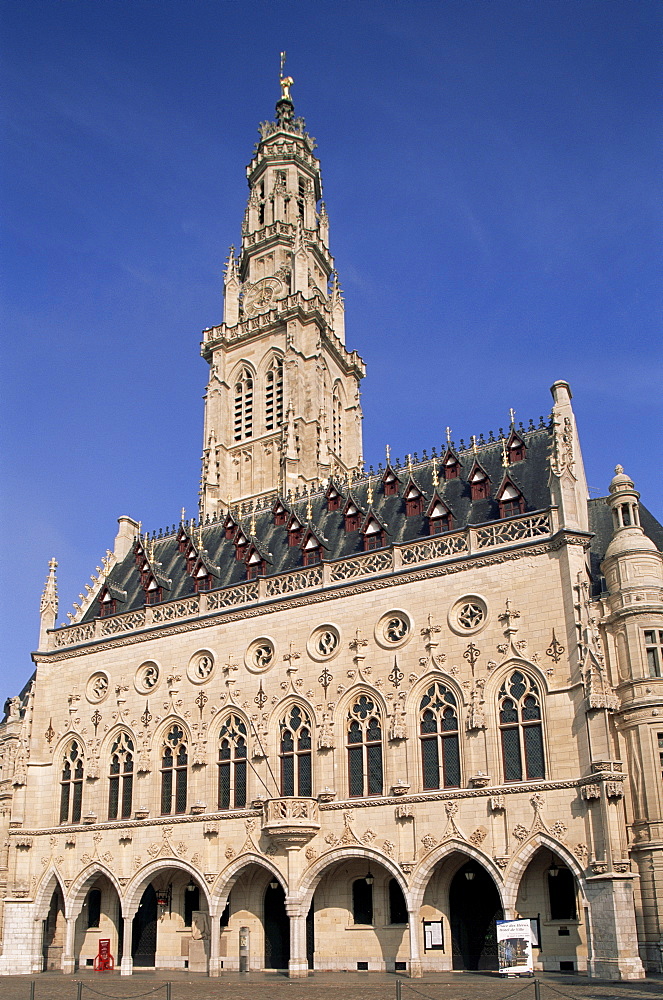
71,785
438,728
174,772
295,753
274,395
232,764
121,778
521,728
244,405
364,745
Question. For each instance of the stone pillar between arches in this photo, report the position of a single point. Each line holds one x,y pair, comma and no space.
127,964
414,965
68,957
298,964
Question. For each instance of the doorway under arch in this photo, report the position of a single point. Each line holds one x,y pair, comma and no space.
144,931
277,928
53,928
474,906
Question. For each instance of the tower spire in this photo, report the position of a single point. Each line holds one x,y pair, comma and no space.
283,395
48,606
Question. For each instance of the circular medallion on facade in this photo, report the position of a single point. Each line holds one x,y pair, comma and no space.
201,666
324,642
394,629
468,615
260,655
147,677
97,687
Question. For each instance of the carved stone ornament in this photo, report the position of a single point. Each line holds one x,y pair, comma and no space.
497,803
404,811
520,832
589,792
614,789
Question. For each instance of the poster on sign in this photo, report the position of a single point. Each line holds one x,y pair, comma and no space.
514,947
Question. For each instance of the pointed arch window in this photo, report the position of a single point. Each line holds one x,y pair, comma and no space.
244,405
337,422
121,777
364,746
438,734
174,772
232,764
521,730
71,784
295,753
274,395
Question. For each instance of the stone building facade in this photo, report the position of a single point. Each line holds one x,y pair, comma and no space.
343,720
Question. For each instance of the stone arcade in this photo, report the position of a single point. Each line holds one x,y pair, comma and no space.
337,708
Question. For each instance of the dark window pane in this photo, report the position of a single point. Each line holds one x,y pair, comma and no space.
305,774
304,741
517,685
113,797
513,769
115,765
166,792
362,902
430,764
354,733
77,802
180,791
356,770
397,907
449,720
240,784
429,722
531,709
374,762
64,802
451,758
127,793
534,752
224,786
287,776
373,733
287,742
509,711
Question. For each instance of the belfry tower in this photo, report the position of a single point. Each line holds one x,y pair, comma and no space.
282,408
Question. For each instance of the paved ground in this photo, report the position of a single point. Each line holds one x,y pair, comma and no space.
322,986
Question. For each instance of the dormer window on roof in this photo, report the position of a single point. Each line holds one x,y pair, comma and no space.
294,531
352,517
280,513
511,500
107,604
240,542
516,448
440,518
479,483
451,465
414,500
202,580
390,482
153,592
229,527
255,565
311,553
333,498
373,533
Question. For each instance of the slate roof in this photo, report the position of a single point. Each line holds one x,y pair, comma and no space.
530,476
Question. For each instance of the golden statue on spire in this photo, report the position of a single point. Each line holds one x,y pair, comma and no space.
285,81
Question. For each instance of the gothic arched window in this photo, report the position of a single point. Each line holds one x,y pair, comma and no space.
274,395
232,764
438,726
244,405
174,772
521,731
337,422
121,777
364,743
71,784
295,753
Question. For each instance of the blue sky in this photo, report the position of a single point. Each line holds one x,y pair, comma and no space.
491,176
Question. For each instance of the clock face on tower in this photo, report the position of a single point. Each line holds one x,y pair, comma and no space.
262,295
